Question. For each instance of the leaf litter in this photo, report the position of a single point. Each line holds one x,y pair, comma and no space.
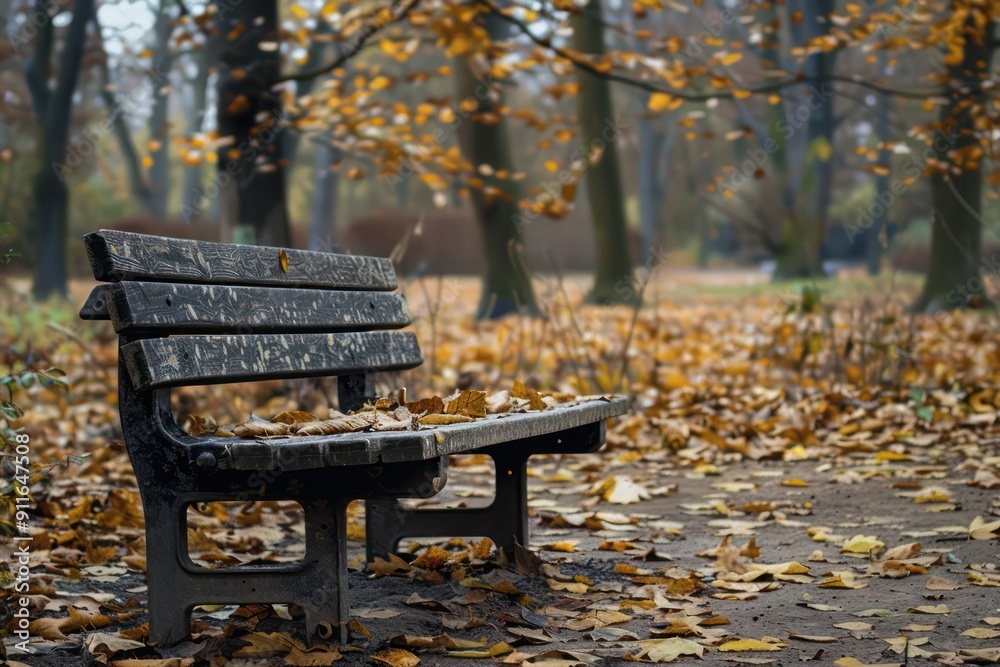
772,446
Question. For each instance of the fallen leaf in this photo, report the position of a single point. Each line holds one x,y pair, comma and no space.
930,609
668,650
749,645
396,657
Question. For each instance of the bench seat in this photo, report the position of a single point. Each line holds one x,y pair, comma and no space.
366,448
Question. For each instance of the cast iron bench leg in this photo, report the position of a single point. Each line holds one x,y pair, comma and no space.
169,610
319,588
326,551
505,520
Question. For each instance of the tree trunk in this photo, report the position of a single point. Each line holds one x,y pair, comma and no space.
318,51
613,279
159,133
880,219
804,226
192,179
323,217
251,171
506,282
655,146
953,279
123,135
55,111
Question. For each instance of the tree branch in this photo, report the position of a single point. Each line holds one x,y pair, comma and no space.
587,65
357,42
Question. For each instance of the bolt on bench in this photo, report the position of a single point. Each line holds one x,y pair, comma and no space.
190,313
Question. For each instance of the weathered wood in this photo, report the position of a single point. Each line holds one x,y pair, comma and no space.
96,306
189,360
170,308
116,256
368,448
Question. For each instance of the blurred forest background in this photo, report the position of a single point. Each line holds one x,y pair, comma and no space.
511,137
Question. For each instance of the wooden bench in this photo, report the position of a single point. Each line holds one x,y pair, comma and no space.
191,313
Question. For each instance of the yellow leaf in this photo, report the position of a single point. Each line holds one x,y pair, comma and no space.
283,261
981,633
732,58
930,609
861,544
664,102
380,82
748,645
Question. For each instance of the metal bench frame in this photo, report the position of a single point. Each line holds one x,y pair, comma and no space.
154,283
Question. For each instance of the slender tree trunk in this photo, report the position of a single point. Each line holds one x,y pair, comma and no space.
318,51
251,171
655,146
874,235
119,125
192,178
953,279
613,279
323,217
51,194
159,133
506,282
804,227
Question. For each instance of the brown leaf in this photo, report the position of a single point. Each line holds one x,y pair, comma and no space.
433,405
344,424
294,417
258,429
469,402
444,420
396,657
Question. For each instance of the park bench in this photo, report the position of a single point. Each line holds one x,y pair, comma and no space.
190,313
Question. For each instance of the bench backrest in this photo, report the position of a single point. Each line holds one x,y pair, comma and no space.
198,312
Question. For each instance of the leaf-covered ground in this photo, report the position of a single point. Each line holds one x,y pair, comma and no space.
805,475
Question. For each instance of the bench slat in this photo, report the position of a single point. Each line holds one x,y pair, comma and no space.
116,256
181,308
188,360
96,306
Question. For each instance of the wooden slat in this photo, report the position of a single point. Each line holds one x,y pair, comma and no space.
96,306
116,256
181,308
399,446
189,360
